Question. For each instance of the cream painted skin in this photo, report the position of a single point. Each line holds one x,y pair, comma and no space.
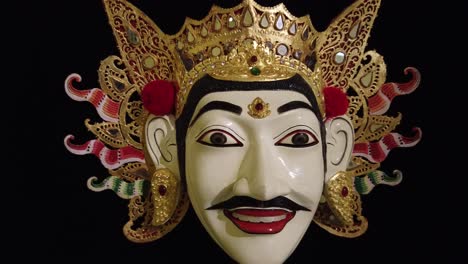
231,154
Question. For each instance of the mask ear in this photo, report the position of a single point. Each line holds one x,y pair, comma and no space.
340,140
168,197
160,143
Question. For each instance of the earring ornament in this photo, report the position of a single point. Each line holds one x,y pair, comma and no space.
165,193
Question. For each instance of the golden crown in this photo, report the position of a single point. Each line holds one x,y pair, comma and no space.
251,43
248,42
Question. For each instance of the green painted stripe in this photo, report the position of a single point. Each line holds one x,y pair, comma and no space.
129,189
115,186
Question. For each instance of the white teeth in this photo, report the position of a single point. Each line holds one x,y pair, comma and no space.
259,219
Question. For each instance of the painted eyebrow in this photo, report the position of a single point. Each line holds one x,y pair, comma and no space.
218,105
294,105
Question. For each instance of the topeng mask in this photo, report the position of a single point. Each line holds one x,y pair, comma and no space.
262,123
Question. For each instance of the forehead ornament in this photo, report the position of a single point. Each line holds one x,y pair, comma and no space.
258,109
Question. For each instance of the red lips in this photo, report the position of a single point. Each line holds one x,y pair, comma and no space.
260,221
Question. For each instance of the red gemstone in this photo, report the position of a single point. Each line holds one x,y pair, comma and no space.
162,190
259,107
344,191
253,59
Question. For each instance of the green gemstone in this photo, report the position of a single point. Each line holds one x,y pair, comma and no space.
255,71
132,37
248,20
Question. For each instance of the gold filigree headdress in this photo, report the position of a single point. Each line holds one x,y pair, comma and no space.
246,43
249,43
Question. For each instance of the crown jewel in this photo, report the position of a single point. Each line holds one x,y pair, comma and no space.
245,25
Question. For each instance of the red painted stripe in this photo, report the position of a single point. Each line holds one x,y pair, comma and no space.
378,102
374,152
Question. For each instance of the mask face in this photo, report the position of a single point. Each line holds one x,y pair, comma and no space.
255,171
233,119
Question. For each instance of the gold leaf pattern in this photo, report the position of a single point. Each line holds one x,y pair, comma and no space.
113,80
361,166
123,17
146,232
132,117
131,172
355,103
336,39
379,126
341,213
372,70
107,132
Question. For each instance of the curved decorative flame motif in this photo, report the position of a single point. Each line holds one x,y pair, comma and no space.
380,103
106,108
378,151
110,158
365,184
123,189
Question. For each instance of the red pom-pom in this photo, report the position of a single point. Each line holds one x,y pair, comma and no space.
336,102
158,97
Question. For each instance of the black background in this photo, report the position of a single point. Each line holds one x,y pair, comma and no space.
63,220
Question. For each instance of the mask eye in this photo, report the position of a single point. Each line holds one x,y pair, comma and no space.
219,138
298,139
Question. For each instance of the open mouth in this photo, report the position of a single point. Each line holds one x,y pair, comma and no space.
260,221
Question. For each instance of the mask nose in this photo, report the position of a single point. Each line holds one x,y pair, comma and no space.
262,175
